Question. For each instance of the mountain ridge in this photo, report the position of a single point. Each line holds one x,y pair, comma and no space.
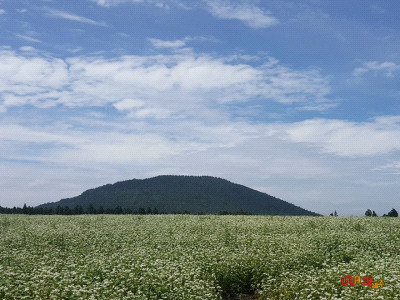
182,193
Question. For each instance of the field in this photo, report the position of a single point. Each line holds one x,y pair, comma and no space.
197,257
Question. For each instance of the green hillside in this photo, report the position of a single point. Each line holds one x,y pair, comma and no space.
193,194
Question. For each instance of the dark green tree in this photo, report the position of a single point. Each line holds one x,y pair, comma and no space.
59,210
25,209
368,213
118,210
78,210
67,211
91,210
393,213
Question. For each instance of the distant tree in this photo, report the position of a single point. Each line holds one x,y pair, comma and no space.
59,210
91,210
100,210
374,214
48,211
142,211
109,211
118,210
67,210
78,210
128,211
368,213
25,209
393,213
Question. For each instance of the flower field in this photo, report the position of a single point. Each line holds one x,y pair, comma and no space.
197,257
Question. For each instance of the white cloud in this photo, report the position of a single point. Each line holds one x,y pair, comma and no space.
176,44
393,166
167,44
2,11
181,83
109,3
154,113
138,110
27,49
388,68
252,15
28,38
318,107
344,138
129,104
249,14
29,80
72,17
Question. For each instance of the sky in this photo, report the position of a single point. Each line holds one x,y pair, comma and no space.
298,99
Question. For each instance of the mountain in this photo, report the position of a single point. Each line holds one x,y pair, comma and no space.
194,194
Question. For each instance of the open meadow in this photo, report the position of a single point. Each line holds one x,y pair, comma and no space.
198,257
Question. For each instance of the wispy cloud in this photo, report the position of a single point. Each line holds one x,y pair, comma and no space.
27,49
377,9
250,14
387,68
109,3
28,38
345,138
318,107
176,44
55,13
2,11
167,44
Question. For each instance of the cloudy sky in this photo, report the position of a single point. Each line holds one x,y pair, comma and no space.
299,99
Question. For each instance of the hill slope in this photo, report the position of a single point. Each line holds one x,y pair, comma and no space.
193,194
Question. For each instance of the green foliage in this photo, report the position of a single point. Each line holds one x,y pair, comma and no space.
370,213
393,213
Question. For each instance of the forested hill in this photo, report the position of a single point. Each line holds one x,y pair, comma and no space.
192,194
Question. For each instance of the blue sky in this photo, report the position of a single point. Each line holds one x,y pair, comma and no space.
299,100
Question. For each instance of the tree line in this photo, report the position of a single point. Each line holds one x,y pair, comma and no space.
77,210
118,210
91,210
372,213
